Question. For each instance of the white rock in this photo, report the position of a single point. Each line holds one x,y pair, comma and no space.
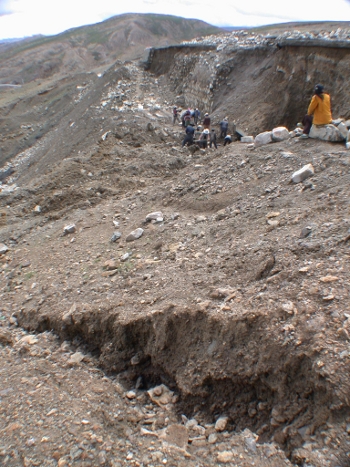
263,138
247,139
3,248
134,235
347,145
37,209
343,130
303,173
221,424
326,133
280,134
153,216
69,229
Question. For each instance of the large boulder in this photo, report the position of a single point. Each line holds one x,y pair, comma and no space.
326,133
263,138
280,134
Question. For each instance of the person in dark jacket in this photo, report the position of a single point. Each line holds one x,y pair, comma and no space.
196,116
213,139
189,136
206,122
175,115
224,128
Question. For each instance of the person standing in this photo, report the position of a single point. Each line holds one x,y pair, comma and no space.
175,115
203,140
319,111
213,139
196,116
206,122
223,128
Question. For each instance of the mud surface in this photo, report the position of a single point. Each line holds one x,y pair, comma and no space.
236,299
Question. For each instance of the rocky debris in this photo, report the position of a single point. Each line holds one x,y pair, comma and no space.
134,235
326,133
303,173
246,39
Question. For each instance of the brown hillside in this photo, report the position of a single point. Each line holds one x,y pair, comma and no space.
87,48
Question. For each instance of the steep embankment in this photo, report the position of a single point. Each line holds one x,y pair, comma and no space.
258,82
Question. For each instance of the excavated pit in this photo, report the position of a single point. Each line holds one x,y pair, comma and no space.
258,87
236,365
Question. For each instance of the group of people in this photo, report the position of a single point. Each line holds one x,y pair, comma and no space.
319,113
200,134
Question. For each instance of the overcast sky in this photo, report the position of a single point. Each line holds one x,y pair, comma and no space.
21,18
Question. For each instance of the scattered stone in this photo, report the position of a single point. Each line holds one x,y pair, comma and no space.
30,339
247,139
131,395
289,308
76,358
221,424
37,209
225,456
161,395
116,236
306,232
263,138
212,438
134,235
176,434
280,134
303,173
110,265
3,249
329,279
125,257
71,228
270,215
154,216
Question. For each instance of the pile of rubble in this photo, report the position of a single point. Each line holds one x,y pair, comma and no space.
247,39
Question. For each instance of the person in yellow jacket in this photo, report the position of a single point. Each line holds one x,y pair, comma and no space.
319,111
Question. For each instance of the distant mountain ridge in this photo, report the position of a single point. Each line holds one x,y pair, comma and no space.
92,47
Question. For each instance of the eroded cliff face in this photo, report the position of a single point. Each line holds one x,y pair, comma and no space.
260,86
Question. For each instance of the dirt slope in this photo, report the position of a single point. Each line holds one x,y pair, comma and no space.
218,337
